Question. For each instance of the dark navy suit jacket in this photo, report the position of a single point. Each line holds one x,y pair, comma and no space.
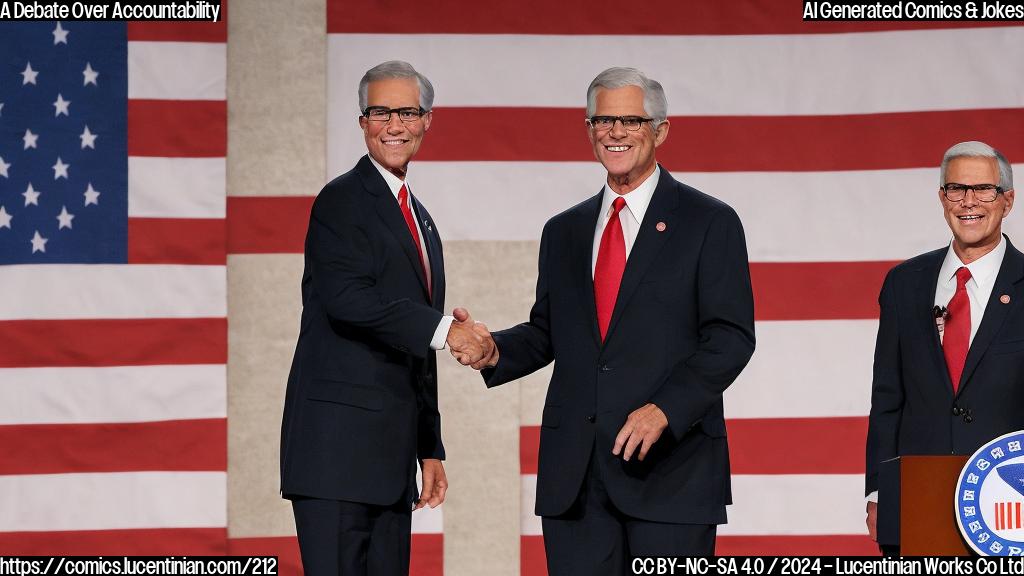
913,408
361,404
681,331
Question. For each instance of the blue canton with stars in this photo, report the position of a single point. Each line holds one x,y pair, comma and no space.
63,142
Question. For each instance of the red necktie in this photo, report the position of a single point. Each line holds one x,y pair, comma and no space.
956,332
611,262
403,201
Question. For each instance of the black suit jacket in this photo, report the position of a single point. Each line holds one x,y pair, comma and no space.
913,408
361,403
681,331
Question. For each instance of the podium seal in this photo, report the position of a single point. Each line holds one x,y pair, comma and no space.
990,497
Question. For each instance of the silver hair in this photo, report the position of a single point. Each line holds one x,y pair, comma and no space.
975,149
655,104
396,69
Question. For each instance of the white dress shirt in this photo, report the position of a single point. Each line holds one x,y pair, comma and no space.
395,184
983,279
631,215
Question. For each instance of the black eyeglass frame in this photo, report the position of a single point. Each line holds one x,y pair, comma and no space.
976,188
640,120
419,113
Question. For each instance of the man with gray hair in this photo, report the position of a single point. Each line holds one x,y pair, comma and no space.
361,403
644,304
949,359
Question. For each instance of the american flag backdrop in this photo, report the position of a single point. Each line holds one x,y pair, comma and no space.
144,352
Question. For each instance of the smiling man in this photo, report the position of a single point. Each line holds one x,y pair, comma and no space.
644,304
949,359
361,403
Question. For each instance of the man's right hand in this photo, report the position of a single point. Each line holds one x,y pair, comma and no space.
872,520
470,342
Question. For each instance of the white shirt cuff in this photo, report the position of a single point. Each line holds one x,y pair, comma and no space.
873,497
440,339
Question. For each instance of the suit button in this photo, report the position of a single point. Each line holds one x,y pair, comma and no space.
968,419
605,368
956,410
592,418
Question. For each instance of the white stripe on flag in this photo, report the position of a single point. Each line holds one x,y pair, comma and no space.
109,501
77,291
177,70
108,395
176,187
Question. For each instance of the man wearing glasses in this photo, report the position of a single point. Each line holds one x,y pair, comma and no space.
644,304
361,403
949,359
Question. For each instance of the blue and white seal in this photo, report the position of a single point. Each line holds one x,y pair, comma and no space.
989,505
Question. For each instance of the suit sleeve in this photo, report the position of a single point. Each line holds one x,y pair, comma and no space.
886,388
526,348
342,269
725,309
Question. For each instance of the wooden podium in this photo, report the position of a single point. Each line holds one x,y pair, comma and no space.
924,522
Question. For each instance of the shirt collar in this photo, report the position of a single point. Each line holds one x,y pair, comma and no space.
637,200
983,270
394,182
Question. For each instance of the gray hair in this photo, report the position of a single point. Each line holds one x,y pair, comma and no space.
655,104
975,149
396,69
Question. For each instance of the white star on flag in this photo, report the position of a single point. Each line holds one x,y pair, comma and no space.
30,139
29,75
5,218
60,35
61,105
38,243
64,218
91,196
89,74
88,139
31,195
60,169
3,167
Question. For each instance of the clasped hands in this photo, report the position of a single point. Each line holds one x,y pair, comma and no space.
470,342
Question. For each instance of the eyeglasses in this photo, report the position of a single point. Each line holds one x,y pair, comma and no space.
631,123
382,114
983,192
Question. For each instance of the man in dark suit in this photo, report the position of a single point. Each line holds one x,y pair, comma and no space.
644,304
949,359
361,404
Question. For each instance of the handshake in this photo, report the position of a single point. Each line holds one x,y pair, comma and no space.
470,342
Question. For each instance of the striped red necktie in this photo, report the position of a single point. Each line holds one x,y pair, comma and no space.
403,201
611,262
956,331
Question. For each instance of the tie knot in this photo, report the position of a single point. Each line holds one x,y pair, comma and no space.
962,276
617,205
403,195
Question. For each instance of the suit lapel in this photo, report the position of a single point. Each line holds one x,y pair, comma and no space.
922,303
1011,272
391,214
436,261
584,226
649,242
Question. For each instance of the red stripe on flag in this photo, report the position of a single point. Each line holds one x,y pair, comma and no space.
268,225
814,445
582,17
817,290
182,31
177,241
179,445
532,557
129,342
145,542
426,553
818,545
732,143
178,128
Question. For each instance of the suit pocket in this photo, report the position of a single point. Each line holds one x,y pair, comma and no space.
347,393
713,427
552,417
1007,347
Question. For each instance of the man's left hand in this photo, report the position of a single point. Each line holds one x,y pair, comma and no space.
435,484
643,427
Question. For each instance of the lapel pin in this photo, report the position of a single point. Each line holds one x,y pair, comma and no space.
660,226
427,224
1005,298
